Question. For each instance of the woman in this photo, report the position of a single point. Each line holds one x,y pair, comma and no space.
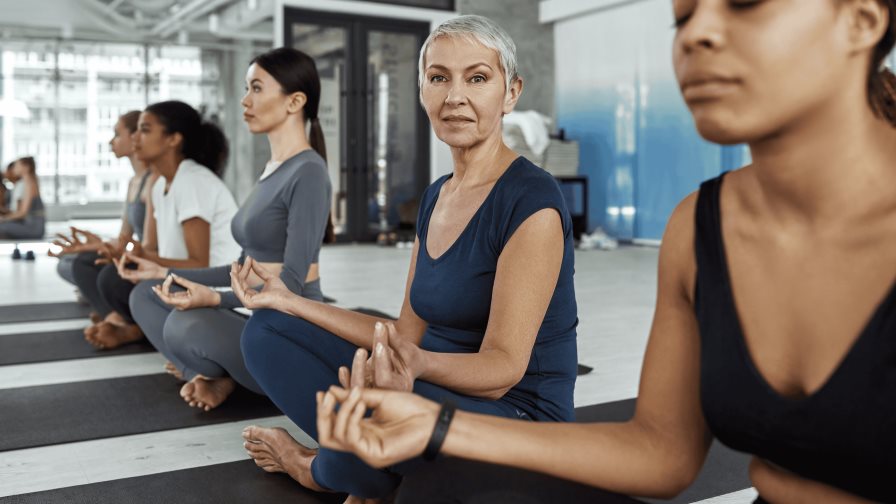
188,226
482,322
282,223
27,221
775,315
80,251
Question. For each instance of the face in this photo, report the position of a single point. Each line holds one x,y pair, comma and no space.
17,171
464,91
150,141
265,105
121,142
751,68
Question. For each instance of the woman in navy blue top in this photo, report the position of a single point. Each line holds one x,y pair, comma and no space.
489,317
775,324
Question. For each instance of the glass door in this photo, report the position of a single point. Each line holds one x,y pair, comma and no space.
376,132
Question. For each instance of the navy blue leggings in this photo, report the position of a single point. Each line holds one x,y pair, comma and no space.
292,359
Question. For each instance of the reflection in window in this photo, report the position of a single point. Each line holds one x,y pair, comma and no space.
73,93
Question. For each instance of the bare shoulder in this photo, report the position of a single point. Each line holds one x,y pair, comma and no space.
677,265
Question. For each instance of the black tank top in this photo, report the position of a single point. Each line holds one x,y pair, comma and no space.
842,435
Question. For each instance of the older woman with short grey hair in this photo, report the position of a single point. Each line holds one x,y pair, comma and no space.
489,314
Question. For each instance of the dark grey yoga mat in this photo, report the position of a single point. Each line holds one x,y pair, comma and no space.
235,482
68,412
57,345
42,311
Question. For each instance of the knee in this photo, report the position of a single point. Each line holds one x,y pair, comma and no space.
184,331
143,295
107,278
259,328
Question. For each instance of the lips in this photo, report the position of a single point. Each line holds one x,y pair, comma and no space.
707,86
457,118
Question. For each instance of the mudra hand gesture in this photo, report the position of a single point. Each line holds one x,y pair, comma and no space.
79,241
196,295
393,364
109,250
398,429
145,270
273,293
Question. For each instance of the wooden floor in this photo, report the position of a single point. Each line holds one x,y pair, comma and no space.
615,294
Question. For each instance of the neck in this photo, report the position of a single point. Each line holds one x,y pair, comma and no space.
138,166
481,163
836,163
287,140
167,165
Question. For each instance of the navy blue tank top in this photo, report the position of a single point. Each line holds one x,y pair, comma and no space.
453,293
844,434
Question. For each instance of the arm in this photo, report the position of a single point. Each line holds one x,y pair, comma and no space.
527,273
126,228
657,453
150,240
307,200
775,484
197,236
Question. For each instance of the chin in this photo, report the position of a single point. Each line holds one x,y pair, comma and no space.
723,130
458,141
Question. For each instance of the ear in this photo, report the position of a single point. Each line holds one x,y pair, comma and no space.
176,141
868,21
513,95
296,102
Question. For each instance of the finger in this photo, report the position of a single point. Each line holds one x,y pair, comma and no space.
353,429
325,404
359,368
345,412
382,368
183,282
261,271
166,285
246,270
344,377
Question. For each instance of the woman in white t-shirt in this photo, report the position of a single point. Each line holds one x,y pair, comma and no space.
188,225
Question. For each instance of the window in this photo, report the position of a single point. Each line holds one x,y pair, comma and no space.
69,95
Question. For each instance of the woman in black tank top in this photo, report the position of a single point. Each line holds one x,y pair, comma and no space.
775,326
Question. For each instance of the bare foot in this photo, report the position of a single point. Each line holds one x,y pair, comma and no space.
106,335
95,317
171,369
274,450
207,393
115,318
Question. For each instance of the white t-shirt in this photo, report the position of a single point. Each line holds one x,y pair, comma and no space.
194,192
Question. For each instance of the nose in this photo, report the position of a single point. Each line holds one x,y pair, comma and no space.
705,29
456,94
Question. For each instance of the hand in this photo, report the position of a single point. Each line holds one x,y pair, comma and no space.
79,241
196,295
398,429
146,269
108,251
394,363
274,293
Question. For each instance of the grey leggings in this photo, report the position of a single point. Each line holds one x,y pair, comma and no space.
25,229
203,341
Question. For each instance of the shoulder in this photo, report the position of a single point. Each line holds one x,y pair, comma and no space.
432,190
677,262
526,179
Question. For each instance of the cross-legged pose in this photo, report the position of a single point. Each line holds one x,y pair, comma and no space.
189,225
489,316
26,219
79,253
775,324
281,225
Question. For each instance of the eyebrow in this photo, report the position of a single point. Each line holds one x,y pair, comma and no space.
253,81
474,65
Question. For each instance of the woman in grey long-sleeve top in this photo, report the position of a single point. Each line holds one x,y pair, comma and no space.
282,224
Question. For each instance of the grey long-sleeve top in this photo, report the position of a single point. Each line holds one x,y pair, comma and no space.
283,220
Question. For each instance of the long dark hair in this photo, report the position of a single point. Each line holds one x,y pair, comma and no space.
203,141
882,82
296,72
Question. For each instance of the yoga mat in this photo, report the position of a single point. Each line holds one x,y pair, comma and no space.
724,470
215,484
68,412
42,311
57,345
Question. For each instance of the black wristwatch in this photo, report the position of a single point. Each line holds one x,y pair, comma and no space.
439,431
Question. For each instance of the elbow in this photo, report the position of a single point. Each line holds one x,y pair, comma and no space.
672,482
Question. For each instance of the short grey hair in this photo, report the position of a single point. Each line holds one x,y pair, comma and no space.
480,29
